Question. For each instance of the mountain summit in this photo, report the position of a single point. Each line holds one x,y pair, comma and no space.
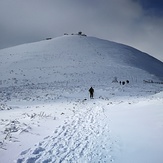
77,59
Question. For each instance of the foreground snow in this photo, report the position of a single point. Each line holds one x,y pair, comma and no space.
139,128
109,128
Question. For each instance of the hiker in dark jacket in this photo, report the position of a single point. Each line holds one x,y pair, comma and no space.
91,91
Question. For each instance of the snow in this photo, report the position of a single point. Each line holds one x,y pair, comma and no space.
139,128
46,114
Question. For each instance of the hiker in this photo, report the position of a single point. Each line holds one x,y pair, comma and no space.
123,83
91,91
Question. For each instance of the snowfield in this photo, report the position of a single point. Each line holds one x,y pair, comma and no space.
46,115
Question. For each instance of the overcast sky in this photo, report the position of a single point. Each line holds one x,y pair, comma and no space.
138,23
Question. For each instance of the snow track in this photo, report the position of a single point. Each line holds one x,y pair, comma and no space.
85,137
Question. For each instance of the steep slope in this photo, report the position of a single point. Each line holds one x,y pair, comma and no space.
78,60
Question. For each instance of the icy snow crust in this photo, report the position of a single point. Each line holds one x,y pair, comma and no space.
46,114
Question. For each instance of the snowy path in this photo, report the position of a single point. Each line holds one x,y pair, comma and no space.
84,137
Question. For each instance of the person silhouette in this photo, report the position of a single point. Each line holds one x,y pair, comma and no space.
91,91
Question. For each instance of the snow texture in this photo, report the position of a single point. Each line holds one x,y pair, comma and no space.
46,115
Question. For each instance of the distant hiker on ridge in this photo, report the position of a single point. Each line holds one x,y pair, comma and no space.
91,91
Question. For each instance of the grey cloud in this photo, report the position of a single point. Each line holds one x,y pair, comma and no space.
123,21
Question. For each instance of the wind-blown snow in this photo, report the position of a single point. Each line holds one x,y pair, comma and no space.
46,114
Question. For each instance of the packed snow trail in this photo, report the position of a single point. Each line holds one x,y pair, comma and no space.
85,137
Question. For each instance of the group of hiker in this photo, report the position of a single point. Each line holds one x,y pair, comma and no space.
91,90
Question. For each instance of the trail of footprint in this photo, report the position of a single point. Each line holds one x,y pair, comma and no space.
82,138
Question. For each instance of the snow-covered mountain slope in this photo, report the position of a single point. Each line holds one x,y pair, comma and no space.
46,115
76,59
